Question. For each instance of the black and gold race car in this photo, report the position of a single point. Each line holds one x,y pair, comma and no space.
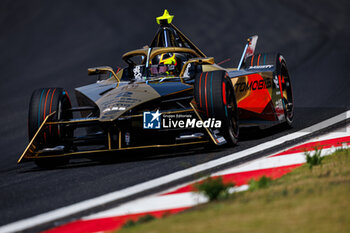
169,94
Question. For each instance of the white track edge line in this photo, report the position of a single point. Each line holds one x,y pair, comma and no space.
113,196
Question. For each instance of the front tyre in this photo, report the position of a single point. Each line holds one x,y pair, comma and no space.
215,98
43,102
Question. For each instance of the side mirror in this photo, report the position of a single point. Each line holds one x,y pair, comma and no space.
102,70
200,61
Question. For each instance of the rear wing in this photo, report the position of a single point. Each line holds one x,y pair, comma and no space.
248,49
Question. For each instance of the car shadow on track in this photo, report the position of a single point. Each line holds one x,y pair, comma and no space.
246,135
254,133
119,158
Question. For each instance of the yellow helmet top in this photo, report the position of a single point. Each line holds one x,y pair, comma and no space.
168,61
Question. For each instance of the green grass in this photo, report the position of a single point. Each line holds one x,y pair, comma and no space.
141,220
263,182
304,200
314,158
214,188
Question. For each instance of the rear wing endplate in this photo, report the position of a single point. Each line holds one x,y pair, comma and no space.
248,49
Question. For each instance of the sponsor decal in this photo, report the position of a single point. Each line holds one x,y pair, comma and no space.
220,140
251,46
279,109
124,94
261,67
120,102
191,123
132,86
275,80
187,71
151,120
114,109
280,58
83,119
127,138
252,85
125,97
137,73
155,120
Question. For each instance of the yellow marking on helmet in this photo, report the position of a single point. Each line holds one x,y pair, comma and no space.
165,16
168,61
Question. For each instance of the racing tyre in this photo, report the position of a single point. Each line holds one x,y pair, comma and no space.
281,73
215,98
261,59
287,94
43,102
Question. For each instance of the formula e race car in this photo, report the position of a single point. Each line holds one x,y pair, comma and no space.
169,94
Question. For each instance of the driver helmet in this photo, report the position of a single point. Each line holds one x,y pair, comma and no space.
167,59
170,61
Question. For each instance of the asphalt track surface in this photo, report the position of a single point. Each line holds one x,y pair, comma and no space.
51,44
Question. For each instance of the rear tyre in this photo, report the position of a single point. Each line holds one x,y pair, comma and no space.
287,94
261,59
43,102
284,82
215,98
